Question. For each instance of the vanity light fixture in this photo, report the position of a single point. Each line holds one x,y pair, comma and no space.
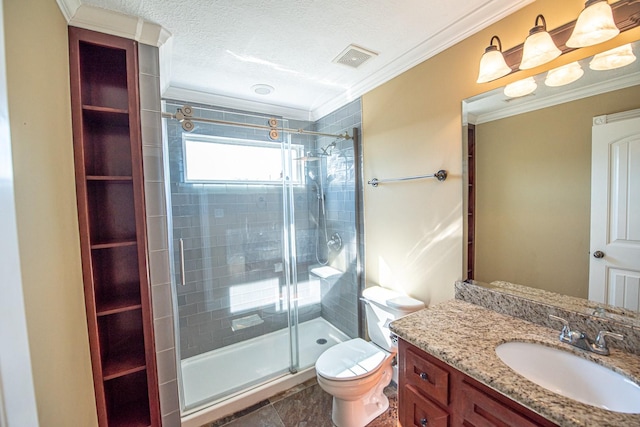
564,75
492,63
594,25
613,58
539,47
520,88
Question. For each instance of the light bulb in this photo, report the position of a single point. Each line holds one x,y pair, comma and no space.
520,88
564,75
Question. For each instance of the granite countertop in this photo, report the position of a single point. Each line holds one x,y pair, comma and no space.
465,336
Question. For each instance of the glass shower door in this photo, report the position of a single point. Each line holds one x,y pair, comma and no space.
233,224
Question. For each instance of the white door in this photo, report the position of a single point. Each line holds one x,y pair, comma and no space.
614,269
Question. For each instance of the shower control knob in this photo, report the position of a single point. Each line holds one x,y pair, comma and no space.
424,376
598,254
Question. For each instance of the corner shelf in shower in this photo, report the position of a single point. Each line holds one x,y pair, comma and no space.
111,217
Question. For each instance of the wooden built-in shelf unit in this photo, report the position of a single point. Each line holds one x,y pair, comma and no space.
111,215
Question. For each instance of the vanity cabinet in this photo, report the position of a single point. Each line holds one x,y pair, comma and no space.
111,217
434,394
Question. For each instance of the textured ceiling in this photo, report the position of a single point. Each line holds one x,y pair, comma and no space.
223,48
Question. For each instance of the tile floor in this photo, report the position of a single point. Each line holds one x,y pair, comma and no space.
306,405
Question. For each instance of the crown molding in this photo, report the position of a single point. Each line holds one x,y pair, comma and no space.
114,23
491,12
195,96
616,117
68,8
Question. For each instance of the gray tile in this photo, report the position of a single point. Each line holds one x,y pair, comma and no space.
154,198
159,266
151,125
263,417
152,163
169,402
171,420
162,302
166,365
149,92
311,407
157,233
148,59
163,329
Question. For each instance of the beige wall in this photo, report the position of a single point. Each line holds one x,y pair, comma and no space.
533,194
40,113
412,126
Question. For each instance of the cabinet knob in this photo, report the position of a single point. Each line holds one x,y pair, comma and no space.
424,376
423,422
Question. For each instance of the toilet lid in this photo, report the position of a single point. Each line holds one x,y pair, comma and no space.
349,360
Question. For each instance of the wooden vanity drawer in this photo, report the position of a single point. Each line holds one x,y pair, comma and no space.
421,412
426,376
477,408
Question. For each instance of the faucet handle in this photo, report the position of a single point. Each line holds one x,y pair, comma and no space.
566,330
600,339
566,334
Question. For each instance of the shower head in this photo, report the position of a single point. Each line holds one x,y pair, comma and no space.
326,150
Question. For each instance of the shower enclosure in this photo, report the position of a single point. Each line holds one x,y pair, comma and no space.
265,253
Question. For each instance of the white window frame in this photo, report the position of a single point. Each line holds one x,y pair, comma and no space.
296,150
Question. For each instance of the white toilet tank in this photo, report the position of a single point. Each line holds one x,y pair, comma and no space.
383,306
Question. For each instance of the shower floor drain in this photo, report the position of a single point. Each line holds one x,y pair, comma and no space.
321,341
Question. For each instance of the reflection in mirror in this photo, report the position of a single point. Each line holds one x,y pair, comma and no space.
533,176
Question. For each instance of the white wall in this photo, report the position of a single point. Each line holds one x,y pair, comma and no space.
17,398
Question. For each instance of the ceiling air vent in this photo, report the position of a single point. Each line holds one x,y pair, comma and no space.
354,56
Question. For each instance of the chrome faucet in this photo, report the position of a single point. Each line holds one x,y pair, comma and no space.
580,340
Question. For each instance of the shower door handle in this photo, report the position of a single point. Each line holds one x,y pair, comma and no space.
183,281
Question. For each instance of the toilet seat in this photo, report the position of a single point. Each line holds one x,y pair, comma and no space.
350,360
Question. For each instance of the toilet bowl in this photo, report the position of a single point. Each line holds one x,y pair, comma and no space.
356,372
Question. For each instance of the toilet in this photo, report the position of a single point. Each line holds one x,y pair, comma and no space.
355,372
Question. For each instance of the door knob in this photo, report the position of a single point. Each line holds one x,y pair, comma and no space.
598,254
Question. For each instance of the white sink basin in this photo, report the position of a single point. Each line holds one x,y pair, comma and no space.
572,376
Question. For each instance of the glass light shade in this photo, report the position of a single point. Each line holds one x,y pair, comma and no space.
538,49
614,58
594,25
564,75
520,88
492,65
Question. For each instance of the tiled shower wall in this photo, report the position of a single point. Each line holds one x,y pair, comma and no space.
157,233
232,237
340,301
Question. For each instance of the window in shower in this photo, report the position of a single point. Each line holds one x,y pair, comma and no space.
230,160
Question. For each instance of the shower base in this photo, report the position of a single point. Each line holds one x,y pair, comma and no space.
249,364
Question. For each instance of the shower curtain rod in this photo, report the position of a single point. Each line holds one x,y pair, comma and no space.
185,116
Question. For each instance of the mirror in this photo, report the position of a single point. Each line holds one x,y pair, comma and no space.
533,176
